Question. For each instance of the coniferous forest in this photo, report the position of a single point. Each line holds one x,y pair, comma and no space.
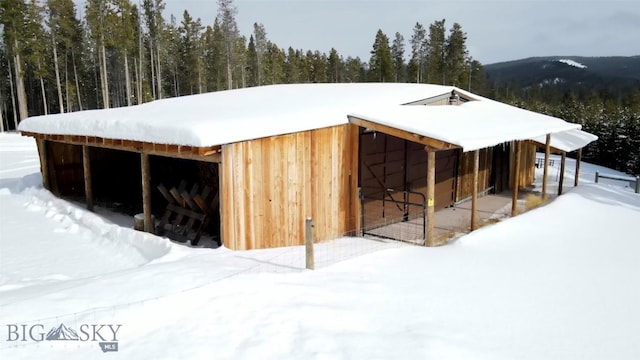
52,60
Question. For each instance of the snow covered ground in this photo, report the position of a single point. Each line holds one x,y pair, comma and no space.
558,282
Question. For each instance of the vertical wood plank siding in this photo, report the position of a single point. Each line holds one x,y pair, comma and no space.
465,173
527,164
271,185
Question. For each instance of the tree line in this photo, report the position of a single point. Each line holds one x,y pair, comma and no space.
611,114
57,58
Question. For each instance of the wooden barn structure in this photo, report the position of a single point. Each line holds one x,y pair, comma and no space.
257,162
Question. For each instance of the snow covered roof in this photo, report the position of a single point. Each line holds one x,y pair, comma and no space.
225,117
472,125
568,140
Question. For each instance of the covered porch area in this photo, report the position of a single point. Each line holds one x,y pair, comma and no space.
469,130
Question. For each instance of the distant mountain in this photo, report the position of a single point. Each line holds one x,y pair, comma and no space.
62,333
570,72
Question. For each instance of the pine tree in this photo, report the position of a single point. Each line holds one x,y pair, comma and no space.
155,26
292,71
252,63
456,56
66,35
227,17
171,37
354,70
418,53
12,16
381,63
397,53
274,65
335,66
240,62
261,45
100,18
436,53
189,64
37,52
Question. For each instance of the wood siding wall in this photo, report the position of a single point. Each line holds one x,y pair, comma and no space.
465,173
389,166
527,164
271,185
66,174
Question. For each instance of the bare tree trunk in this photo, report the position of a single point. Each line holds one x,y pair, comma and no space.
103,78
243,78
55,64
13,98
127,79
136,73
159,72
22,95
176,89
66,81
44,96
229,76
75,75
95,75
2,104
153,71
140,74
199,79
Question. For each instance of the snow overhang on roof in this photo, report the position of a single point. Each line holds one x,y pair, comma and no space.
225,117
567,141
470,126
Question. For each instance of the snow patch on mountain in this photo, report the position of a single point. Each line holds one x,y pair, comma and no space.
572,63
554,81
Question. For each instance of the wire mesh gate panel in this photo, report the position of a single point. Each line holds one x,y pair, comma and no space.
397,215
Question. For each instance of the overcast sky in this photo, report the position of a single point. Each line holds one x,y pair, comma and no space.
497,31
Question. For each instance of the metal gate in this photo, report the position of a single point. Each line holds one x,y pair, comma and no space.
392,214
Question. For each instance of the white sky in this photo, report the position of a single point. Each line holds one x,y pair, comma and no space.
497,30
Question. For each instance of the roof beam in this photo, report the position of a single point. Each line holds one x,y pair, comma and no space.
433,144
543,145
211,154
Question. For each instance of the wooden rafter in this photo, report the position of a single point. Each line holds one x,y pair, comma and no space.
433,144
543,145
207,154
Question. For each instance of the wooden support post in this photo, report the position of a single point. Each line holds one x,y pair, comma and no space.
516,179
431,187
146,192
86,167
577,176
308,242
221,204
561,182
474,191
44,165
547,154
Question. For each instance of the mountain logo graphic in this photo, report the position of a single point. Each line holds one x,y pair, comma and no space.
62,333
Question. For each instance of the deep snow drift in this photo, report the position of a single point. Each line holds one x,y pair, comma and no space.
559,282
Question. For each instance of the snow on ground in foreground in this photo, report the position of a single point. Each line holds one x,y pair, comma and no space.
559,282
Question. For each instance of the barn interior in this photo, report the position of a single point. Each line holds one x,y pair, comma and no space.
116,185
393,182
